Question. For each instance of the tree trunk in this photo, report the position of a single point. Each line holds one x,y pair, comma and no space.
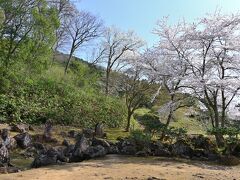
107,82
68,62
220,140
128,121
219,137
169,118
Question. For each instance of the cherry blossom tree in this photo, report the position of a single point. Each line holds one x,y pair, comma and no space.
207,51
168,70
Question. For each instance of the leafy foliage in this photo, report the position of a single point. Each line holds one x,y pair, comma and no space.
140,137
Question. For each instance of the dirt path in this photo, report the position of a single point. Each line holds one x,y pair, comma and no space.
121,167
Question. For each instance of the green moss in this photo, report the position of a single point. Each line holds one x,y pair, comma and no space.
20,161
114,133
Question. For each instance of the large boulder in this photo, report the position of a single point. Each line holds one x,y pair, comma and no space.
202,142
127,147
24,140
4,134
4,156
99,132
159,149
86,148
94,151
102,142
9,169
39,146
51,157
35,149
7,141
128,150
182,148
88,133
81,145
68,151
113,149
10,143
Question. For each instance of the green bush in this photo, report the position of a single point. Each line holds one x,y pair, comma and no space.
35,100
231,137
151,123
140,137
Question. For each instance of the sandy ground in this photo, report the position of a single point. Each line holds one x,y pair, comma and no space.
122,167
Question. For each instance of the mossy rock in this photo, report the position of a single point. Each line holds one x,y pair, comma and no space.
202,142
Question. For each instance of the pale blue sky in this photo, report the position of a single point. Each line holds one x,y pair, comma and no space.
141,15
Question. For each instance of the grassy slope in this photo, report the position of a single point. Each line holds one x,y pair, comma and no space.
192,125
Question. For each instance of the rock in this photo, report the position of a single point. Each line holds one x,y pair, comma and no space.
61,155
13,170
31,128
182,148
155,178
7,141
162,152
102,142
8,170
24,140
129,150
201,142
51,157
48,129
94,151
85,149
34,150
159,149
4,134
72,134
39,146
88,133
199,153
65,143
4,155
142,154
82,144
127,147
10,143
213,156
30,152
21,128
68,151
80,147
113,149
99,130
